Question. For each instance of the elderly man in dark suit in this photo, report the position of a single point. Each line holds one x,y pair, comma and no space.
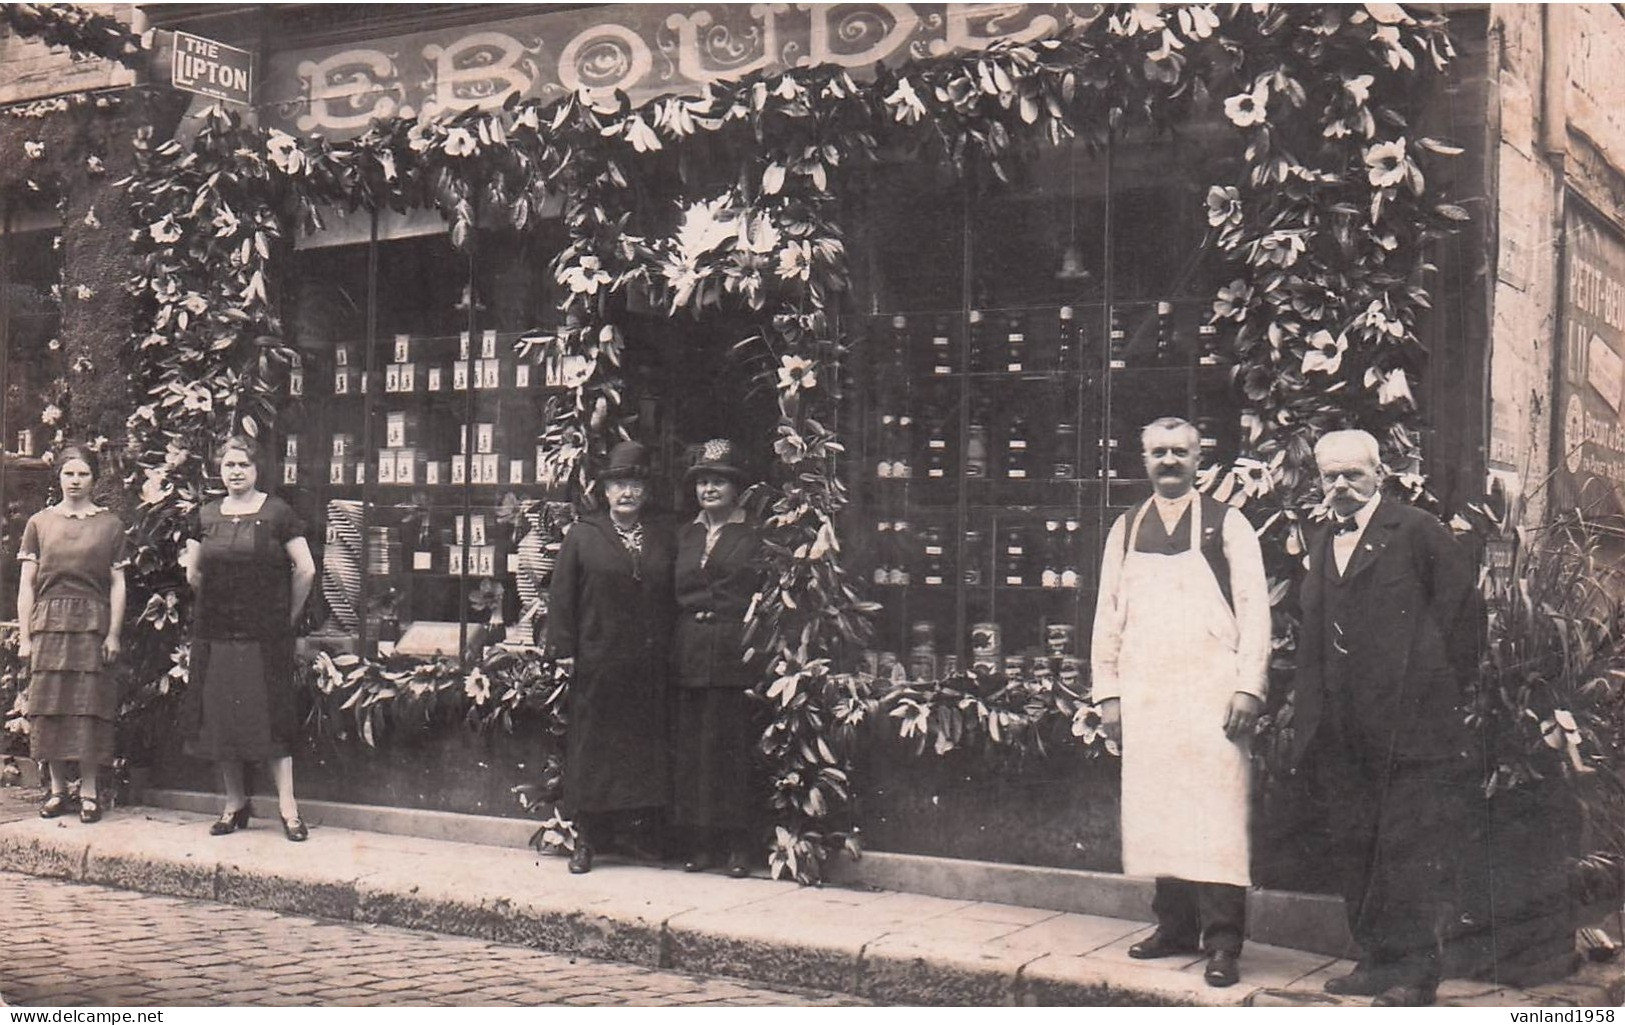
1388,644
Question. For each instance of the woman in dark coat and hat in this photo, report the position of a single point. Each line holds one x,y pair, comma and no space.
718,572
610,611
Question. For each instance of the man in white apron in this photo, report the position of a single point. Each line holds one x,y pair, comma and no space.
1179,659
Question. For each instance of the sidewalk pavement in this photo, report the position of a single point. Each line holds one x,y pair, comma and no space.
894,948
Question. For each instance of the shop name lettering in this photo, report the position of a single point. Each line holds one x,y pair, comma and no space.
1593,292
204,65
644,51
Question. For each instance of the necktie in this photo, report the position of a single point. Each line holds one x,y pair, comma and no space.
1344,525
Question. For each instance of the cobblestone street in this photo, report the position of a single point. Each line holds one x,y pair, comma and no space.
72,944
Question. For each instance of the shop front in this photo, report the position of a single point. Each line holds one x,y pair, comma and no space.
1008,315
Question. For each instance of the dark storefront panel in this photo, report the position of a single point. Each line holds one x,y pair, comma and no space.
1018,338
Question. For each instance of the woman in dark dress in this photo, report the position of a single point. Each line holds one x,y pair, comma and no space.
609,617
718,572
251,569
70,606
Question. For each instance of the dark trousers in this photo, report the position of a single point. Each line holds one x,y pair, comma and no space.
1392,826
1211,916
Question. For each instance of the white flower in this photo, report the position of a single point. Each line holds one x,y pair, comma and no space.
51,414
94,165
165,231
35,150
54,344
91,220
283,151
1391,387
1250,108
586,277
795,261
1325,353
156,487
797,374
1385,163
83,292
477,686
575,370
198,399
905,103
1359,87
460,143
225,222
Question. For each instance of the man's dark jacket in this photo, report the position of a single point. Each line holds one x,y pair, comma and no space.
1410,628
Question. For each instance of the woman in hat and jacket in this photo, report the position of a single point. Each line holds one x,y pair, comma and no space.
718,572
610,616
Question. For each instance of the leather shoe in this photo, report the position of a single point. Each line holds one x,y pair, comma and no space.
581,859
56,806
1364,981
699,861
1222,969
1158,944
738,864
1410,994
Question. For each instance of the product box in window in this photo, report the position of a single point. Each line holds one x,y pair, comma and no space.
290,447
296,380
338,472
459,469
410,378
488,345
290,473
392,378
488,373
516,471
343,443
411,466
454,560
403,428
437,471
435,375
459,375
341,356
360,471
386,466
485,559
402,352
490,468
348,381
521,375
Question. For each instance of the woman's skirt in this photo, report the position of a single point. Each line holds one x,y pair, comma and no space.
239,703
72,701
711,761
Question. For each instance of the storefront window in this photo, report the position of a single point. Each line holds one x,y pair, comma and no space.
30,362
1019,336
411,444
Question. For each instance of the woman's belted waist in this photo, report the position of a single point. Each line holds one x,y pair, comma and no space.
704,616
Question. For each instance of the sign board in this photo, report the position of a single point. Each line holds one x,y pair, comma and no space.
1591,421
644,50
203,66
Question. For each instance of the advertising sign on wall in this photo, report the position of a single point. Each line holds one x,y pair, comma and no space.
644,50
1591,395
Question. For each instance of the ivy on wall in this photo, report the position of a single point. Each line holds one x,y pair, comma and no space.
1327,231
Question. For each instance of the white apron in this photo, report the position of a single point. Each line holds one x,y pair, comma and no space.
1185,785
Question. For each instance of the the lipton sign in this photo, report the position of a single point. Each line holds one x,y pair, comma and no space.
645,50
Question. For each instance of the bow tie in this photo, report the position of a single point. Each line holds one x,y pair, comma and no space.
1344,525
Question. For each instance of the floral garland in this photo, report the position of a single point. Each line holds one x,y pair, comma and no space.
82,31
1327,231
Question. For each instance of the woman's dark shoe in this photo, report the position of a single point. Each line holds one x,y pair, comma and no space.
294,829
230,822
738,864
581,859
699,861
55,806
90,810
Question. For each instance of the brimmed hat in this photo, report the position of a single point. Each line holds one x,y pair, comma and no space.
719,456
628,460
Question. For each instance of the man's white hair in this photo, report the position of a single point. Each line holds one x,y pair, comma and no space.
1361,441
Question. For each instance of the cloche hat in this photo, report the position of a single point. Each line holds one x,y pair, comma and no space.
628,460
719,456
